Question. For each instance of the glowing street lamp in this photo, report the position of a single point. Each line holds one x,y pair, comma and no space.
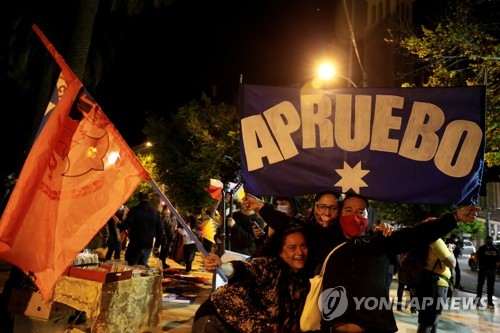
326,72
142,147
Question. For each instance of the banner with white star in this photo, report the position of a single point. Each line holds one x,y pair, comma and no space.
403,145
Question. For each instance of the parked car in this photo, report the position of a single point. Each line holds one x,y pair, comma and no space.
468,247
473,263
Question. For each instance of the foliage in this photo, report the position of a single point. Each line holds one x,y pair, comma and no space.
477,229
410,214
148,162
192,147
407,214
462,50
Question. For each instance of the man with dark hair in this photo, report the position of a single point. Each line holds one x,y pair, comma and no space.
358,269
144,224
488,256
288,205
169,226
241,226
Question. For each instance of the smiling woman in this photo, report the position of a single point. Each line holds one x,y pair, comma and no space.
265,294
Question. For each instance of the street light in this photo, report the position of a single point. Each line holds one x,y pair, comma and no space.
326,72
142,147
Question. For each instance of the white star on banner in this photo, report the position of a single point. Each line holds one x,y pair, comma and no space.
351,178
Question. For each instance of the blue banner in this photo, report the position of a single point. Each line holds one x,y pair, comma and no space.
402,145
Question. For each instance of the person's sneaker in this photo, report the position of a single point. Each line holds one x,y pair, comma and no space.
491,306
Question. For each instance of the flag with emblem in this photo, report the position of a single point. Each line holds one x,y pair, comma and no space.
76,176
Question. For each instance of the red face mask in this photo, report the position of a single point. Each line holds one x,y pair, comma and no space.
353,225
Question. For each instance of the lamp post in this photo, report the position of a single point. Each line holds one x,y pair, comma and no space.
326,72
142,147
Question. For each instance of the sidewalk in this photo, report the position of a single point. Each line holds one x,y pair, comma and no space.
178,318
460,321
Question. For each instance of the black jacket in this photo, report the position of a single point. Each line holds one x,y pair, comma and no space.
144,225
488,256
359,269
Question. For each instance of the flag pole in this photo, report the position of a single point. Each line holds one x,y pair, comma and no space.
186,227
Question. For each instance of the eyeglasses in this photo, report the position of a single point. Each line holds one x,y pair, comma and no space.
322,207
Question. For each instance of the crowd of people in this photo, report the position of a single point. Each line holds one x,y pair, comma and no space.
287,246
295,246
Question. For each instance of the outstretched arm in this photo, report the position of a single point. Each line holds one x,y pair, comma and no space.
212,261
405,239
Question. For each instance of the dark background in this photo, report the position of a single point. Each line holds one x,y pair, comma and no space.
159,59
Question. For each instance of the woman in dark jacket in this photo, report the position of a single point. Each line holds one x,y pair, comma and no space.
265,294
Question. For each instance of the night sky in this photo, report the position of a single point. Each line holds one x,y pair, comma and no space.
176,54
162,58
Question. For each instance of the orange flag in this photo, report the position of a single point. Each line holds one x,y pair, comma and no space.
76,176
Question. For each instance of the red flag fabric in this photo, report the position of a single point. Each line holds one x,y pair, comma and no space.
76,176
215,189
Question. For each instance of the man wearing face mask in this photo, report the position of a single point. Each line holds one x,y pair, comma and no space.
289,206
488,256
358,269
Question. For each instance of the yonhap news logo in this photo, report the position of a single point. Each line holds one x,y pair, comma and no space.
449,303
334,302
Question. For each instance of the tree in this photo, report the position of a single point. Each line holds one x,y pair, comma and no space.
477,229
149,163
462,49
407,214
192,147
87,33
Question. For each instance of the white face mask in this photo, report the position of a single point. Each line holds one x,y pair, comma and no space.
284,209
